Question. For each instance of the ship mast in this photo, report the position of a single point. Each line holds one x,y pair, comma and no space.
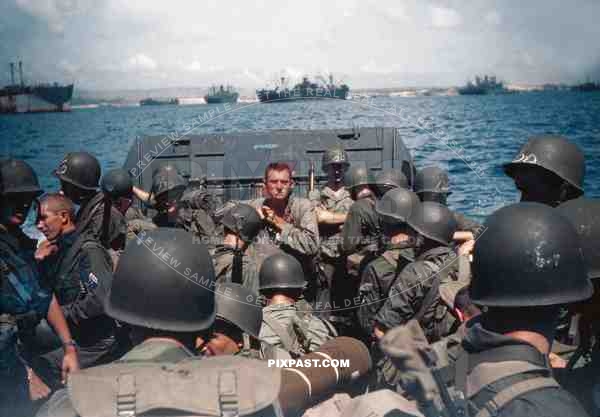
21,73
12,73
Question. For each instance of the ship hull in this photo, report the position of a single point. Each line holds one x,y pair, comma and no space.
276,96
35,99
221,100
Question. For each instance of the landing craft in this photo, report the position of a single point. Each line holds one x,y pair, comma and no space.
233,164
304,90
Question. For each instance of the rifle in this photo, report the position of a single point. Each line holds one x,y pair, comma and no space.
311,178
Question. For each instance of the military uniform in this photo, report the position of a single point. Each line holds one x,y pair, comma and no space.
90,218
294,329
378,277
333,284
22,303
252,259
80,274
137,222
411,295
361,234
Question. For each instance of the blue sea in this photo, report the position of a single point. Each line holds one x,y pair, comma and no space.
471,136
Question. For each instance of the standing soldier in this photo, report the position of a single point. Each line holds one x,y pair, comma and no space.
287,322
79,174
79,272
22,302
332,207
239,257
548,169
433,184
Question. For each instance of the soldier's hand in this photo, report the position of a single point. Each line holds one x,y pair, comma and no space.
45,249
37,388
70,363
268,215
466,248
556,361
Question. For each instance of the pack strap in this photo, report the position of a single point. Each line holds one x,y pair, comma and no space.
88,212
286,339
126,397
504,397
228,394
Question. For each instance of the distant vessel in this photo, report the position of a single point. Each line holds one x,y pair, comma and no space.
21,98
154,102
586,87
304,90
221,95
485,85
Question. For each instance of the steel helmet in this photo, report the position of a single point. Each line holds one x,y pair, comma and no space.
244,221
390,178
164,281
117,183
281,271
432,180
554,154
239,306
334,155
167,179
584,214
357,176
434,221
528,255
397,205
80,169
17,176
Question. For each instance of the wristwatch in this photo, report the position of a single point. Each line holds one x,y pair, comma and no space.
70,343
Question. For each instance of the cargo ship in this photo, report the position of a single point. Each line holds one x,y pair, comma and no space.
221,95
21,98
303,91
483,85
587,87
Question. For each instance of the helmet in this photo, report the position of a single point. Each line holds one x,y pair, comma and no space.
356,176
432,180
16,176
80,169
334,155
391,178
584,214
164,281
281,271
238,305
552,153
117,183
167,179
244,221
397,205
434,221
529,255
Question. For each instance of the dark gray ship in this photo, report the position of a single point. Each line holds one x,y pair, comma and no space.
157,102
587,87
22,98
483,85
221,95
303,91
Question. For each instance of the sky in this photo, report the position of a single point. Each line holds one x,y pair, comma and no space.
126,44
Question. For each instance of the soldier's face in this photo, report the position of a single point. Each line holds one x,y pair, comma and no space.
51,223
15,208
335,173
536,185
363,191
278,184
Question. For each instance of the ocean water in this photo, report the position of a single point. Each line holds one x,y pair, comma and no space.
471,136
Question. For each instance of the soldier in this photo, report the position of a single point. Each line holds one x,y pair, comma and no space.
163,331
238,258
237,326
290,222
379,275
415,293
502,367
432,184
333,204
118,186
79,272
389,179
79,173
22,302
548,169
288,323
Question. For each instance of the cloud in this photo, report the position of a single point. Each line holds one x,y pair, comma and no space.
140,62
493,18
445,18
53,12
